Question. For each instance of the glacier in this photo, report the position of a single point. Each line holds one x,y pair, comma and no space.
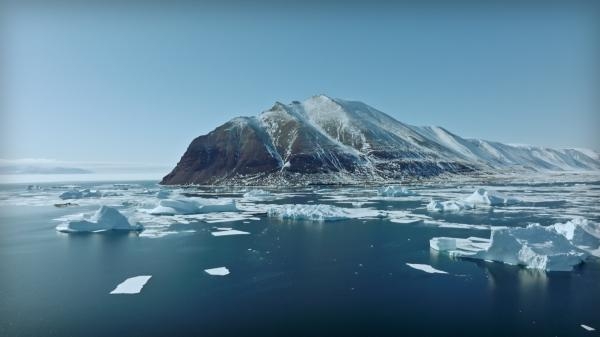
557,247
104,219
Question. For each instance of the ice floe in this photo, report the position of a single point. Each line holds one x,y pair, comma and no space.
426,268
220,271
104,219
193,206
132,285
480,198
80,194
320,212
558,247
394,191
587,327
228,232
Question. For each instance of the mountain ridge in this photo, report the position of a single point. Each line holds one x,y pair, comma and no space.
325,140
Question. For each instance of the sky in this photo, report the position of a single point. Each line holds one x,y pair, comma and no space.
122,82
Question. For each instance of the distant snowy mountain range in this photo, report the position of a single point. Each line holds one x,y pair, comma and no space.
333,141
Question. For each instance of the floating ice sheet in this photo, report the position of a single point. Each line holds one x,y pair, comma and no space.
220,271
426,268
132,285
229,232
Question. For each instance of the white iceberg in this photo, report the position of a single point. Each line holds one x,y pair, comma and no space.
480,198
320,212
221,271
558,247
394,191
80,194
132,285
193,206
104,219
426,268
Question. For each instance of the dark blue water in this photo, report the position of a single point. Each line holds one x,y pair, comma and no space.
288,278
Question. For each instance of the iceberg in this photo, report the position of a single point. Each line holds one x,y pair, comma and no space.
558,247
394,191
106,218
426,268
132,285
80,194
480,198
221,271
320,212
193,206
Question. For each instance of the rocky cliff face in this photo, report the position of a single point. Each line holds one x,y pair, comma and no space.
332,141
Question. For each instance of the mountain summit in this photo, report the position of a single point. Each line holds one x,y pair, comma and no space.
333,141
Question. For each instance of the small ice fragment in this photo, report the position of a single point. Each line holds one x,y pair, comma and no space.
426,268
229,232
132,285
221,271
587,327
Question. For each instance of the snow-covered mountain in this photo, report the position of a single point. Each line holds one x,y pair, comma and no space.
324,140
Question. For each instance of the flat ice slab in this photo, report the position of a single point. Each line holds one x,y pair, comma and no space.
229,232
480,198
132,285
426,268
221,271
587,327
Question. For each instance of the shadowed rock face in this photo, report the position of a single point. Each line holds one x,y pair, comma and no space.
332,141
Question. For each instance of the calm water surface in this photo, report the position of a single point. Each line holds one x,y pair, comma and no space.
287,278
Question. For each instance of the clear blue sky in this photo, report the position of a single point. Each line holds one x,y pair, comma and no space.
137,83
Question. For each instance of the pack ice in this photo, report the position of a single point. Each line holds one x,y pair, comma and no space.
106,218
480,198
193,206
558,247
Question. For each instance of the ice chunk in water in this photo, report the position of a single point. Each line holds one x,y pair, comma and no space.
394,191
426,268
79,194
193,206
132,285
320,212
479,198
105,218
221,271
554,248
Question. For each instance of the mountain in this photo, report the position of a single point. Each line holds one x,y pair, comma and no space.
333,141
